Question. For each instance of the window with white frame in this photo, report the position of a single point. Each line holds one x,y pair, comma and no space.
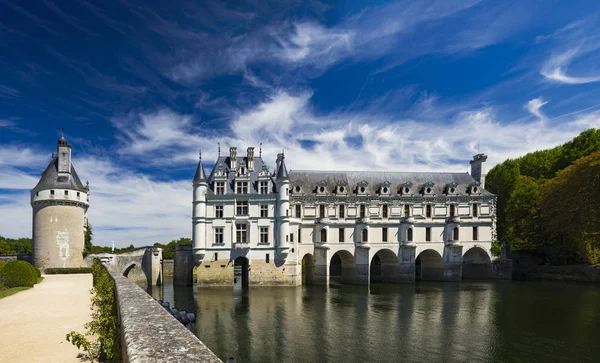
218,211
264,211
264,234
241,233
218,234
241,207
220,188
241,187
264,187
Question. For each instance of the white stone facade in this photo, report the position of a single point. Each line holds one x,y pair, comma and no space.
278,219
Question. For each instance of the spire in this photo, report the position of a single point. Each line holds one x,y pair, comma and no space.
282,172
200,175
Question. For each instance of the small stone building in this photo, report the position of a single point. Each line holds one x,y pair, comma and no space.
60,202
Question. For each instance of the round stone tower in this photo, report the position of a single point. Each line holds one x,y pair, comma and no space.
60,203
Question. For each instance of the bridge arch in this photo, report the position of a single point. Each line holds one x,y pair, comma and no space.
384,266
241,268
429,266
477,264
342,267
308,269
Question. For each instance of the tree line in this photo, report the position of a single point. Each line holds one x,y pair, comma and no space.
548,201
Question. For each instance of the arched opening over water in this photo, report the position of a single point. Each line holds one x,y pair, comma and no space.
384,267
429,266
342,268
134,272
308,269
240,273
477,265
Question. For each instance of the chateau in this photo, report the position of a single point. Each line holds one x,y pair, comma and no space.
60,203
256,227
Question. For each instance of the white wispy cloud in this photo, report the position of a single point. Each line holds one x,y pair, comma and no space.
534,106
556,67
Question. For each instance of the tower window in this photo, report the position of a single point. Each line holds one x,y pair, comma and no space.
475,234
428,234
242,187
66,192
475,210
365,235
342,211
409,235
264,234
218,235
78,194
264,187
299,235
452,210
220,188
52,192
428,211
264,211
384,234
406,210
292,237
341,235
298,210
323,235
241,233
362,211
322,211
455,234
218,211
37,194
384,211
241,208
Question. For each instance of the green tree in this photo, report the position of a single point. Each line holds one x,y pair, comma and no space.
570,205
87,237
523,217
501,180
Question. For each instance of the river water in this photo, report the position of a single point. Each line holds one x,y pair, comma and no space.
449,322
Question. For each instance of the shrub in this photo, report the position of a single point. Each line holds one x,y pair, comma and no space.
2,263
18,273
68,270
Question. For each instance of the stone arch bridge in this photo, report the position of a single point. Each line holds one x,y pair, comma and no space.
141,264
362,264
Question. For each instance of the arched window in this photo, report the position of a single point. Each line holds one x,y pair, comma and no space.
455,234
323,235
452,211
406,210
475,211
409,235
365,235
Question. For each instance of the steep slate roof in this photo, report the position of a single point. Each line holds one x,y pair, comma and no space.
50,179
308,181
224,163
200,174
282,173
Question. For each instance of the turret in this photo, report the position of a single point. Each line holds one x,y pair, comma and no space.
200,184
60,202
282,181
478,168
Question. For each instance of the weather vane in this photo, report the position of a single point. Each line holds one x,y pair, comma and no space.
260,150
218,143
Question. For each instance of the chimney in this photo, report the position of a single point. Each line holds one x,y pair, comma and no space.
478,169
232,158
250,158
64,157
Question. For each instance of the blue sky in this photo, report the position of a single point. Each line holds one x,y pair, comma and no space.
140,87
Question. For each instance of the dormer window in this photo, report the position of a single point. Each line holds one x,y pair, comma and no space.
428,188
451,188
406,188
219,188
361,188
322,187
241,187
341,189
264,187
242,171
385,188
474,188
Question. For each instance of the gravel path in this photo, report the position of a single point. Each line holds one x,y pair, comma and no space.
33,323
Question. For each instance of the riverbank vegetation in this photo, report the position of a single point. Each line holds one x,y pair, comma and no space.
549,201
101,340
10,246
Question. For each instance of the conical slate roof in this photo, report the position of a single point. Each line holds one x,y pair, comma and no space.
51,180
200,175
282,172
